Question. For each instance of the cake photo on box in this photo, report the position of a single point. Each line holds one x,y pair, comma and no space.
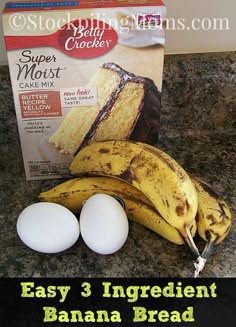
128,107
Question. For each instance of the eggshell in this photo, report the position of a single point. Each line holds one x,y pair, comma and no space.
48,227
103,224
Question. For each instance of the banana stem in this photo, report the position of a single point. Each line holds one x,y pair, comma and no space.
200,263
187,236
211,239
208,249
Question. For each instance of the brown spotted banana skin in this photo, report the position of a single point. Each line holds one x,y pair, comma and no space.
161,179
213,220
74,192
214,217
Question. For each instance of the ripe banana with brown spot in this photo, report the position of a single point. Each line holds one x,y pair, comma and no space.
139,209
214,219
162,180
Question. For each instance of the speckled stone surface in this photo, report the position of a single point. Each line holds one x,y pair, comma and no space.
198,130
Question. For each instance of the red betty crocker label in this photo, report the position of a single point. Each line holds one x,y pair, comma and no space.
148,21
82,38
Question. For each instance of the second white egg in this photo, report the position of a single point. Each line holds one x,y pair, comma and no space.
104,225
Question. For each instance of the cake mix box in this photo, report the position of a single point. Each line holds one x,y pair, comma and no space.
83,71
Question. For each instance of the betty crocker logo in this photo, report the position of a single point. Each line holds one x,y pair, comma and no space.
82,38
87,38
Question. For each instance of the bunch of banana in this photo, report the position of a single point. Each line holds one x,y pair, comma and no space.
213,218
156,190
157,175
73,193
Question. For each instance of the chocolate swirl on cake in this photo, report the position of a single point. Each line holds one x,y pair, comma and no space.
128,108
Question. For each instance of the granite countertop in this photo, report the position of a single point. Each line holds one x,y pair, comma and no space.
198,129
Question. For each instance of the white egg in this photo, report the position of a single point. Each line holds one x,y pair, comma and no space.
103,224
48,227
